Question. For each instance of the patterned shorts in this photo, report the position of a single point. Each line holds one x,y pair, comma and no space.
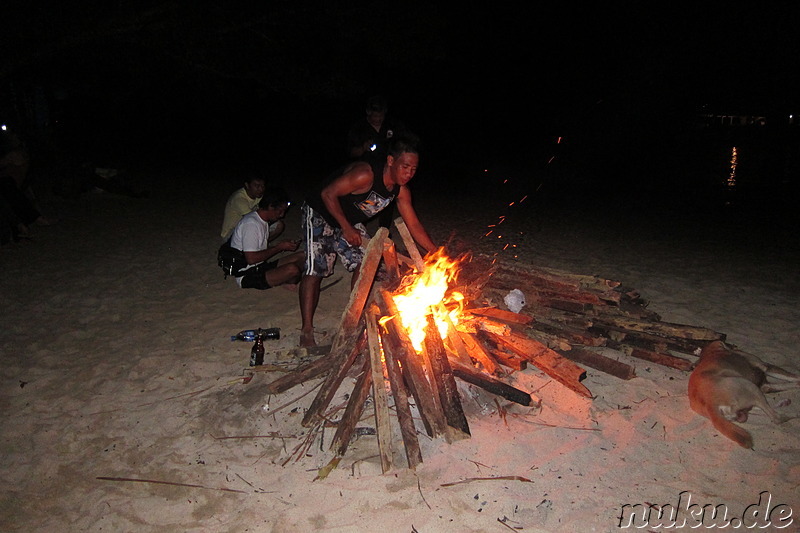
323,243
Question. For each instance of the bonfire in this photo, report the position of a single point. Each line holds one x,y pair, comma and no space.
433,320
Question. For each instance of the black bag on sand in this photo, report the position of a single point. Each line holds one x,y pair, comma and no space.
230,259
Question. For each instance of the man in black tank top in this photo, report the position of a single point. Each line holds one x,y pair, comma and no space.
334,215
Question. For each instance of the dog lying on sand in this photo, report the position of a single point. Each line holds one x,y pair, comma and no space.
726,383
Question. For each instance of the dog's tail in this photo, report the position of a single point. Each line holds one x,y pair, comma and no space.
736,433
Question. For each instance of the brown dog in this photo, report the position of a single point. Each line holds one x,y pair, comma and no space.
725,384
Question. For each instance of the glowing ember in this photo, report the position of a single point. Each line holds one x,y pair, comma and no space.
422,293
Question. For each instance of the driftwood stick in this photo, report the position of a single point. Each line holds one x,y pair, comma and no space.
411,246
159,482
353,411
413,369
442,375
380,403
404,415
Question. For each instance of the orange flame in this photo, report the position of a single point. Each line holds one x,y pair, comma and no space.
422,293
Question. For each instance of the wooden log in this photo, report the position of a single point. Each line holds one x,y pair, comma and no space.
600,362
413,369
411,246
401,405
548,361
358,295
495,386
664,359
341,363
442,375
380,401
352,413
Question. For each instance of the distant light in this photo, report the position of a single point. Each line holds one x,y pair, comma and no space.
3,127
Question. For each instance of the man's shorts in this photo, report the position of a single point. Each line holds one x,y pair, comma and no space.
324,243
253,277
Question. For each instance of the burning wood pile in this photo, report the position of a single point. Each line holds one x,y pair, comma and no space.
438,322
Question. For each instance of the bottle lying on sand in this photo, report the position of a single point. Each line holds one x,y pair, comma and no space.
249,335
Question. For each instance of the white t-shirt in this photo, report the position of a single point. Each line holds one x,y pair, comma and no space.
251,234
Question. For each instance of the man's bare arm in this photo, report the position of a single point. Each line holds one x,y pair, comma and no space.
415,227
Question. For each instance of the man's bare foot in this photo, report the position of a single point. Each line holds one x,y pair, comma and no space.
307,339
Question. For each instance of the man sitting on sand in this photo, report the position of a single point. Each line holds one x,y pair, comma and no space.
251,236
335,213
242,202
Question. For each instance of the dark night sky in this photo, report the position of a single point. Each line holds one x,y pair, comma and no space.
483,85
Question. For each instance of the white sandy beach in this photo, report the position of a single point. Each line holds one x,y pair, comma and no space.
117,364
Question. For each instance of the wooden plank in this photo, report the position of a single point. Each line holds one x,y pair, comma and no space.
380,403
390,260
501,314
358,295
600,362
411,246
508,359
341,363
478,352
664,329
352,413
548,361
401,405
454,338
442,375
567,334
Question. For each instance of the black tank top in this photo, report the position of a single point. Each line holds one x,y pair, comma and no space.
356,207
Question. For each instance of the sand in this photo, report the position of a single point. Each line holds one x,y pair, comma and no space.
117,364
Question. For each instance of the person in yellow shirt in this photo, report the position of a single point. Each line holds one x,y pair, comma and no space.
242,202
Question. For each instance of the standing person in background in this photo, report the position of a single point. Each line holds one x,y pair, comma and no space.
244,201
368,140
372,133
334,214
19,208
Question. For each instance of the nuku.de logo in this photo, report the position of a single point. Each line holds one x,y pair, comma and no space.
756,516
